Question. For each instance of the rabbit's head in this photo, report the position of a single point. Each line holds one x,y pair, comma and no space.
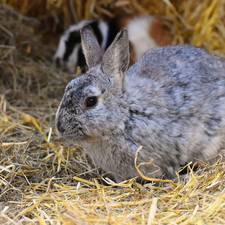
93,106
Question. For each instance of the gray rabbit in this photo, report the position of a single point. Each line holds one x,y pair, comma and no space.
171,102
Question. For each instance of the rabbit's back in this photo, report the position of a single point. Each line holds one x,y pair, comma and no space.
183,79
177,101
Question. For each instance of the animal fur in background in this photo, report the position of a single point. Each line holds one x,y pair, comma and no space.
144,32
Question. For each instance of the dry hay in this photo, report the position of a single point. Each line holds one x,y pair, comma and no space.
44,180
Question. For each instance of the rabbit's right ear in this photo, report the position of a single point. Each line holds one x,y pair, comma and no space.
91,48
116,59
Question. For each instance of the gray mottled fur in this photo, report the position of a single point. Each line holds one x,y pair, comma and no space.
171,102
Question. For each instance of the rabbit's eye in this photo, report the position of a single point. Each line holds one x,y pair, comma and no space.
90,102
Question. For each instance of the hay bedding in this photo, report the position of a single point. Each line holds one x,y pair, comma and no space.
44,180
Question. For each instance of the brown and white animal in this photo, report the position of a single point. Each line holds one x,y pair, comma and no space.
144,32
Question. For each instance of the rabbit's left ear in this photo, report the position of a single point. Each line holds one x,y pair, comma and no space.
91,48
116,59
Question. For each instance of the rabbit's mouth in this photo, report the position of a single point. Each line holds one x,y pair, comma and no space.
76,135
69,131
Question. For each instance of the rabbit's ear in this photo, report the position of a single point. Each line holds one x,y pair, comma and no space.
91,48
116,58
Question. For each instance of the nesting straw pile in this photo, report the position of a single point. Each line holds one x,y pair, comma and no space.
44,180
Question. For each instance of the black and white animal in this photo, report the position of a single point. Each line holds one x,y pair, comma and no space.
171,102
144,32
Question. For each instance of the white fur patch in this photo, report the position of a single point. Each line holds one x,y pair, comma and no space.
103,27
61,49
138,28
76,27
73,58
93,90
